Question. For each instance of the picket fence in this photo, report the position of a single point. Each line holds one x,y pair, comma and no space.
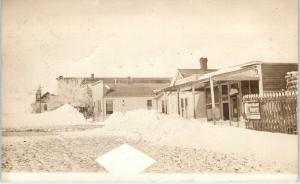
278,112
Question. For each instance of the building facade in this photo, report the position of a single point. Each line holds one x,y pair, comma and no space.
98,98
217,95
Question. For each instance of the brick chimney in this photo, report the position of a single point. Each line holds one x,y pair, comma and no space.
203,63
92,76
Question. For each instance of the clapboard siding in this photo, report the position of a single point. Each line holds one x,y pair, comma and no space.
273,75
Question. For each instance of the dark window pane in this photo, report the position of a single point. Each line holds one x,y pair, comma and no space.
208,96
216,93
224,90
254,87
149,104
245,87
109,107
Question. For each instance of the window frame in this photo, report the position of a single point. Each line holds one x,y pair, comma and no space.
149,104
108,102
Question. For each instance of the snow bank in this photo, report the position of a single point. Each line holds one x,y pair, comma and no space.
115,117
65,115
175,131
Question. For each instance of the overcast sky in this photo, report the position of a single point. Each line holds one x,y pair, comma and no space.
46,38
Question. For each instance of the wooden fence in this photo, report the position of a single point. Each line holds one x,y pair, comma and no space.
273,112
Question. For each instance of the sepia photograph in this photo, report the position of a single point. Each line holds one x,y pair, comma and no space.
149,90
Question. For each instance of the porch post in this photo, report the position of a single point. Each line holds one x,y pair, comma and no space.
194,107
103,109
156,100
240,103
178,101
212,94
229,103
165,104
260,82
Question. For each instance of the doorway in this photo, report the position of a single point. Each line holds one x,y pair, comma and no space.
234,107
184,107
225,111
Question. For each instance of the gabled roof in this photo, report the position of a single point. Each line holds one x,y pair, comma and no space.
133,90
185,73
189,72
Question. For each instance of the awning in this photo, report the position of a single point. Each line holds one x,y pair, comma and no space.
242,74
238,73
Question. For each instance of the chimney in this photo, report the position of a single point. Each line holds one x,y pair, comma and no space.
92,76
203,63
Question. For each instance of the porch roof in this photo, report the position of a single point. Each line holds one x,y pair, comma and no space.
246,71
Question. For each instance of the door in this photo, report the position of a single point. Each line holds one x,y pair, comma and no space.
186,107
182,107
234,107
225,111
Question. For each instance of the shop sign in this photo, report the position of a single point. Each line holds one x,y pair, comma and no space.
252,110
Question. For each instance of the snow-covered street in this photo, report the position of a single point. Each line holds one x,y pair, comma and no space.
181,146
56,153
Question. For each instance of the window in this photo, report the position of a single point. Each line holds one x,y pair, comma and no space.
216,94
224,93
224,90
45,107
208,95
166,110
149,104
162,106
245,85
109,107
254,86
186,102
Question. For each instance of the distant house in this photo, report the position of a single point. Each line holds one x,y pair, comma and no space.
217,95
44,102
98,98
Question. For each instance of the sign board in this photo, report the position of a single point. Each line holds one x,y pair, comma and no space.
252,110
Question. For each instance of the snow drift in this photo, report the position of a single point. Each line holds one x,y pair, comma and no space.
64,115
175,131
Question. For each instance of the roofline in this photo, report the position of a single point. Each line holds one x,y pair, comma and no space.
274,63
105,96
264,62
196,69
167,78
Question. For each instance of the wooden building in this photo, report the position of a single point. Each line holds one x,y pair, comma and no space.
101,97
221,91
183,99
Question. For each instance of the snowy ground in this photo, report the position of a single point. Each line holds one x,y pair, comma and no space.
180,146
55,153
175,131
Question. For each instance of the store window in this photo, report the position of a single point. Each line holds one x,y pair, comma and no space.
254,86
149,104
